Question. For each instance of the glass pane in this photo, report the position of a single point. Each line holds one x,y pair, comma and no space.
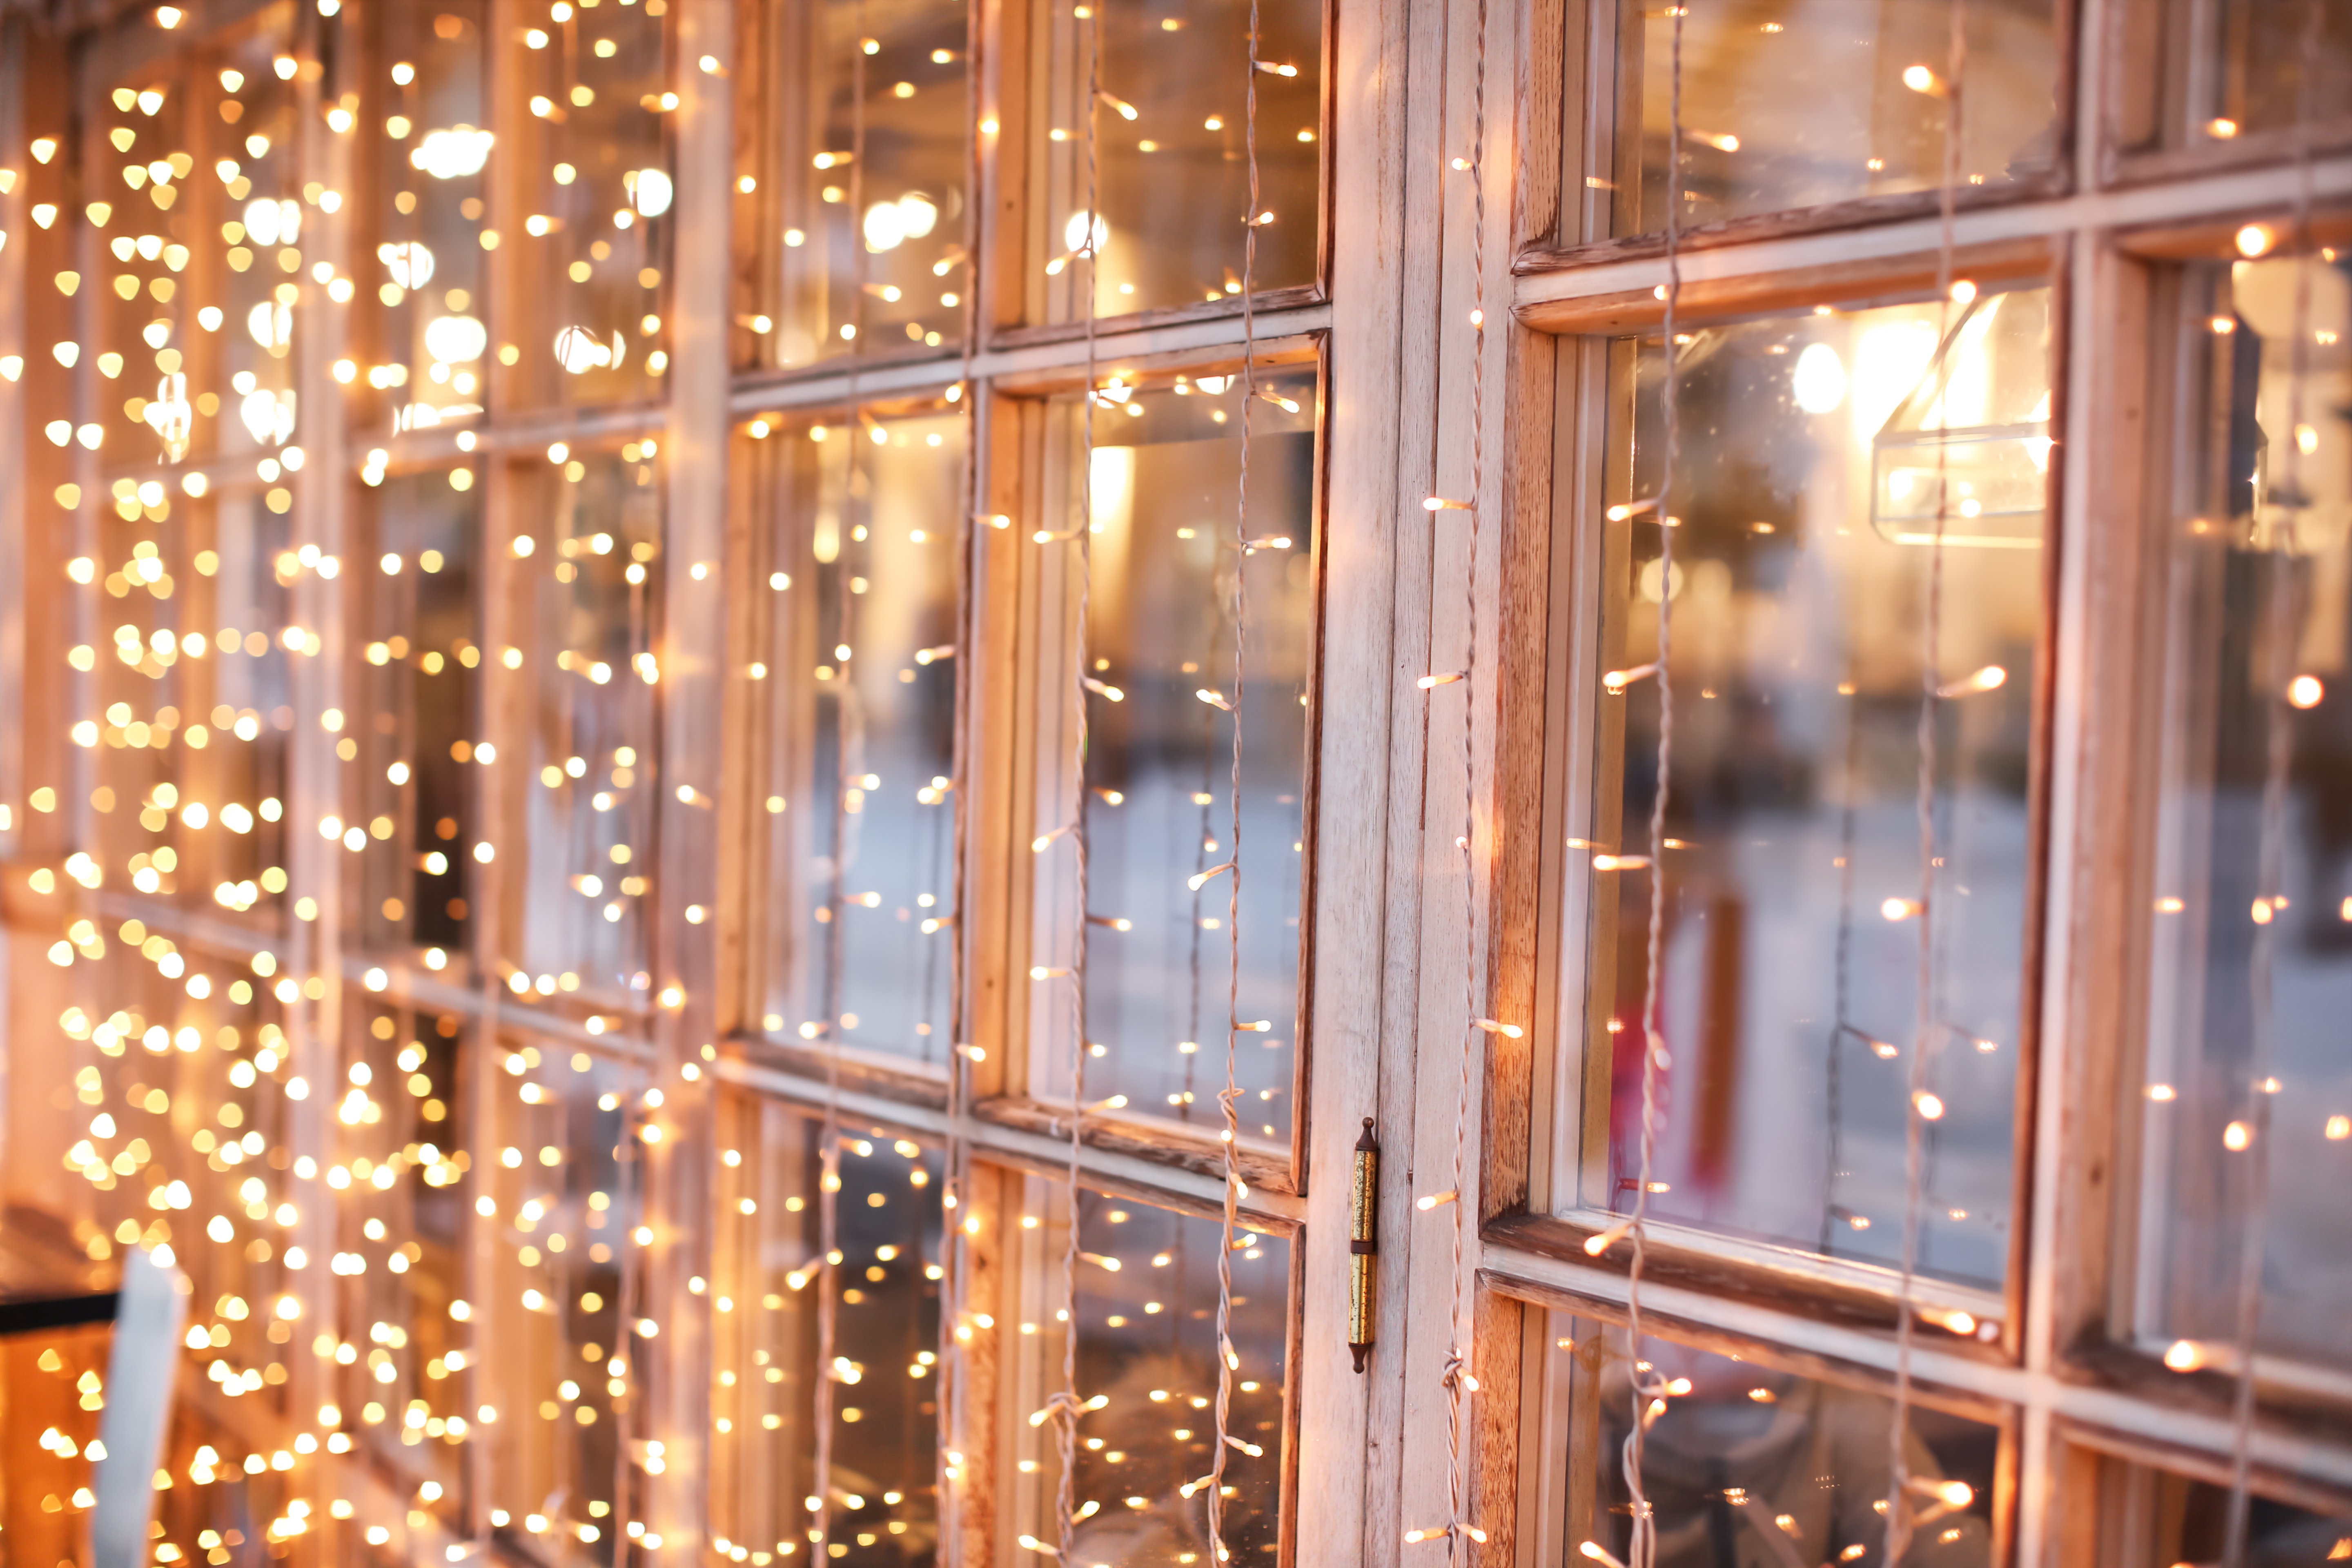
840,249
1824,104
1755,1465
859,682
2241,67
1147,1322
885,1407
191,687
1159,787
1788,975
420,631
550,1349
586,317
262,224
1170,171
591,564
429,261
2154,1519
2256,597
397,1134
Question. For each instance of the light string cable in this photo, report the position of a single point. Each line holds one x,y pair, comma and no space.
955,1252
845,734
1228,1358
2271,852
1456,1377
1899,1486
1648,1393
1064,1407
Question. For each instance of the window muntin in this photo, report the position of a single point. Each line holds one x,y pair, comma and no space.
593,241
1158,796
418,699
847,253
427,264
1812,108
1146,1326
587,574
886,1399
859,747
1749,1451
2254,528
1802,545
1169,166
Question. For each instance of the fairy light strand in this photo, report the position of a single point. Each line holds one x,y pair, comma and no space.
2278,762
1643,1549
1228,1097
1065,1406
1931,698
837,894
955,1196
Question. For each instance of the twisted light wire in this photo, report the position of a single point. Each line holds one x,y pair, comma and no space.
1642,1549
1914,1122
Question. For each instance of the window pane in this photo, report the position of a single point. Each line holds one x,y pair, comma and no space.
2241,67
885,1417
429,261
1751,1453
1170,175
1829,104
841,249
587,262
1146,1320
2257,532
551,1347
260,227
2154,1519
418,702
402,1232
1805,512
1159,787
860,714
585,789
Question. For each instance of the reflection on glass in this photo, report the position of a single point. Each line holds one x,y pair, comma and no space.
1147,1324
1809,105
2155,1518
1169,169
855,241
1160,711
395,1135
886,1420
588,780
2259,593
560,1371
861,730
420,691
1754,1465
242,359
587,264
428,257
1803,554
2241,67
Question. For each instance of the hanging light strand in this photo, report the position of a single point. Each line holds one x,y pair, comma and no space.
1899,1503
1065,1405
1641,1552
1228,1098
845,741
2278,762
